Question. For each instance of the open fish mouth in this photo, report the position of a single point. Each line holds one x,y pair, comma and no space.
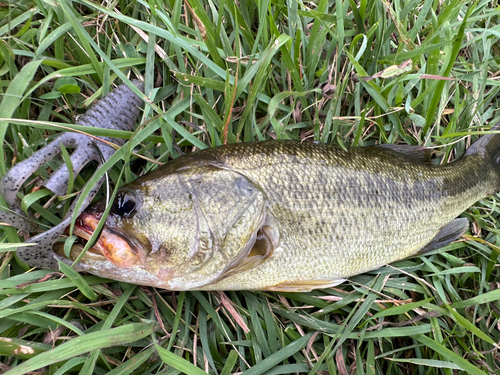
110,244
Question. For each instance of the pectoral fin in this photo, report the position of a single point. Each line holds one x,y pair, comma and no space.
262,249
449,233
305,285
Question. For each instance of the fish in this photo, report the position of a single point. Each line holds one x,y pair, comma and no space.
283,215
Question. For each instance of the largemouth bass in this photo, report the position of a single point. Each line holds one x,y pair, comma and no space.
284,216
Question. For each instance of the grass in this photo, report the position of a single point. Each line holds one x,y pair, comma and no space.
344,72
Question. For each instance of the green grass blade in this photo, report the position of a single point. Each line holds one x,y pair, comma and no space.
440,85
280,356
83,344
447,353
78,280
12,100
178,363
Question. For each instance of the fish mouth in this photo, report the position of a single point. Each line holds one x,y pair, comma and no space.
110,244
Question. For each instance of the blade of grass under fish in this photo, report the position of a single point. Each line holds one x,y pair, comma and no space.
231,360
12,347
178,363
205,337
270,324
88,366
259,69
399,310
84,69
14,23
434,363
280,356
12,99
83,344
84,37
458,39
474,301
73,362
201,81
370,358
9,282
463,322
10,102
211,311
60,321
375,93
447,353
78,280
7,247
34,305
178,316
82,129
53,36
465,269
128,367
353,320
258,330
10,286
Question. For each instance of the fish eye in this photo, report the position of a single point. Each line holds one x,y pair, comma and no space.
125,204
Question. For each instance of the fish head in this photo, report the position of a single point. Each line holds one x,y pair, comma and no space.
180,232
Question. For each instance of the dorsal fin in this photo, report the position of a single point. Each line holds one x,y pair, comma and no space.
488,144
415,153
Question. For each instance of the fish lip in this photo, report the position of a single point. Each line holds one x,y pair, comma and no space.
110,243
85,231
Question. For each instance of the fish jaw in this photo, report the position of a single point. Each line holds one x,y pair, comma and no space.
110,244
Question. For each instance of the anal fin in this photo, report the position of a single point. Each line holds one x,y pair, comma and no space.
305,285
449,233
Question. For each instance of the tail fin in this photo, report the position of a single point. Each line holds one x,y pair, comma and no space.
488,145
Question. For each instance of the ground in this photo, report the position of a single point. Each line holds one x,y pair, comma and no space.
352,73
